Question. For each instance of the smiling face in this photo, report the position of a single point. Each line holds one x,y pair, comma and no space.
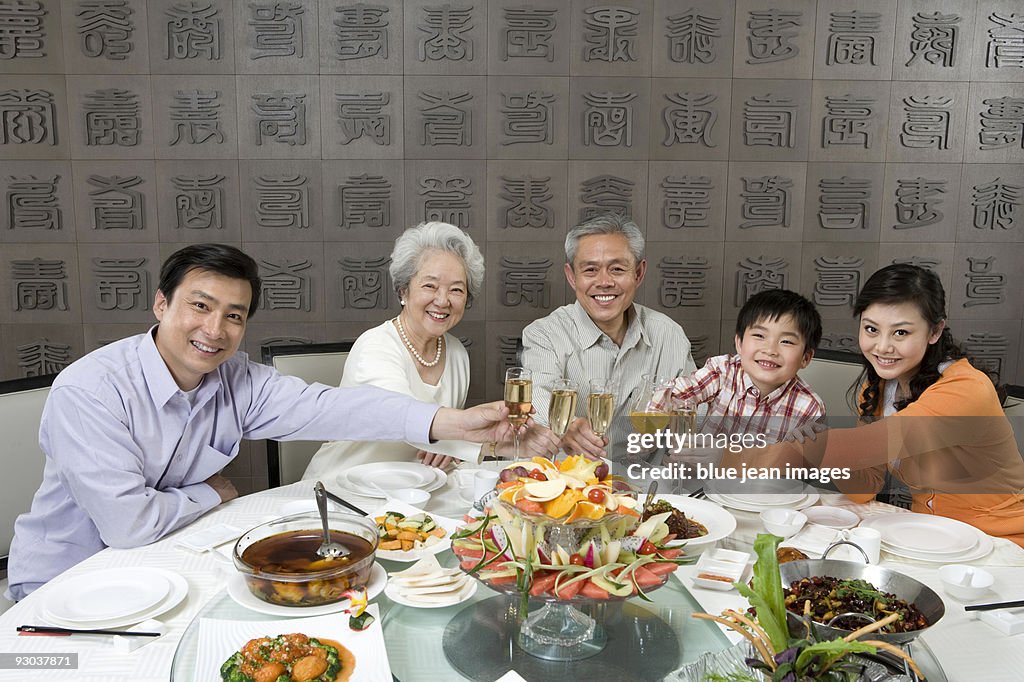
436,297
894,338
605,275
201,325
772,352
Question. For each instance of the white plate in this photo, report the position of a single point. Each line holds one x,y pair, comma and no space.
807,501
982,549
718,521
219,639
392,593
832,517
239,591
178,591
437,480
450,525
930,538
114,593
764,499
391,475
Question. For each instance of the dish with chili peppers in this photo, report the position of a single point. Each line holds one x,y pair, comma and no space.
831,597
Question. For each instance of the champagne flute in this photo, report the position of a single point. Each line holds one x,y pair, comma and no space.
684,416
600,406
518,399
562,409
646,419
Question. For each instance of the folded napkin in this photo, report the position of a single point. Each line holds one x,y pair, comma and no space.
813,540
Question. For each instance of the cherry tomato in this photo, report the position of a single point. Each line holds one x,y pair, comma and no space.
537,475
575,560
596,495
647,548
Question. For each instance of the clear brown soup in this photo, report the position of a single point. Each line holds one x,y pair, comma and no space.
294,551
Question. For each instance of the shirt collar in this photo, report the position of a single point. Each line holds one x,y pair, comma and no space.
162,386
589,333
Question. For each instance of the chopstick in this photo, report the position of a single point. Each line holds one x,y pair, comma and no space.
64,632
995,605
343,503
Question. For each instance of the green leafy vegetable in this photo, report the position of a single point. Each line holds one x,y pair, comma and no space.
767,597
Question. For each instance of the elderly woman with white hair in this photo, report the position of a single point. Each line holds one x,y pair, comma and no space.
436,270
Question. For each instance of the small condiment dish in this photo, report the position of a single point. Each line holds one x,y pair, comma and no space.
718,569
783,522
832,517
966,583
414,496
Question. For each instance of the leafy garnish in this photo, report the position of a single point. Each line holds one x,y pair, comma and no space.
766,596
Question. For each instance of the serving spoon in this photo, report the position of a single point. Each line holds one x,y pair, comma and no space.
328,549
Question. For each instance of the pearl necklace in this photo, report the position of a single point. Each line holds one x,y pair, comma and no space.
412,348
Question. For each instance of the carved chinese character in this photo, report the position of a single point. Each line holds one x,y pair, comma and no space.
193,30
39,284
528,32
527,118
846,342
32,203
527,199
605,194
27,117
195,115
281,117
926,122
683,281
508,354
363,114
766,201
851,37
282,201
365,201
768,39
199,202
926,262
770,121
693,37
105,28
1002,124
608,120
838,280
1005,42
984,287
525,281
285,341
277,29
934,38
444,122
847,121
687,201
21,29
995,205
843,203
915,202
115,205
112,118
285,286
445,27
363,283
689,118
43,357
446,199
121,283
760,273
360,31
987,350
610,34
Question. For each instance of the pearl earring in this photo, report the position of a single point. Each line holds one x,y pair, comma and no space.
402,301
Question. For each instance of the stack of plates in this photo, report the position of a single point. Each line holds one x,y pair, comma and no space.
758,502
113,598
930,538
375,479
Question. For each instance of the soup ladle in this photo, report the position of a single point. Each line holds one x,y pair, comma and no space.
328,549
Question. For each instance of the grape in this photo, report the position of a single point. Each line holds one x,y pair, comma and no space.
601,471
507,475
620,485
521,471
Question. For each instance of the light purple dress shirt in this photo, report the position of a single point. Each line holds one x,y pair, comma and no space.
127,453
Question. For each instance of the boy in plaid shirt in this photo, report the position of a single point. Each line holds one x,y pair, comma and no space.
757,390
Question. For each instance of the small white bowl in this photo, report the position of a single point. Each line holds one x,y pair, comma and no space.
414,496
783,522
832,517
966,583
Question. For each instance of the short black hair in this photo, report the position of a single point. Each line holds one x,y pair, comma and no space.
218,258
773,304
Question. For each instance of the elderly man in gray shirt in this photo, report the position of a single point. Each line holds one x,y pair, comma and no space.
604,334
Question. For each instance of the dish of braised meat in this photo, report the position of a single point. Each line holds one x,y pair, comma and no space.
289,658
683,527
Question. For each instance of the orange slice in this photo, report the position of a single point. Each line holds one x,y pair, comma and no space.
586,510
561,505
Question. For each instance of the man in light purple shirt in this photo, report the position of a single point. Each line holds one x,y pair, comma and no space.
136,433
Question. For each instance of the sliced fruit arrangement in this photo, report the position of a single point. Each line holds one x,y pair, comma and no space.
403,533
513,551
573,489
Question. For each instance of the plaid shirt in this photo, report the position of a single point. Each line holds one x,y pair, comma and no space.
735,405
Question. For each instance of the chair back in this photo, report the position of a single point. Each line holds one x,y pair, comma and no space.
831,373
312,362
21,409
1013,407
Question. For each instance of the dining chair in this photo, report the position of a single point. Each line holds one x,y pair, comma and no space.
311,362
21,409
831,373
1013,407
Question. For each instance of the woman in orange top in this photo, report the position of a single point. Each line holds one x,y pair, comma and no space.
929,418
